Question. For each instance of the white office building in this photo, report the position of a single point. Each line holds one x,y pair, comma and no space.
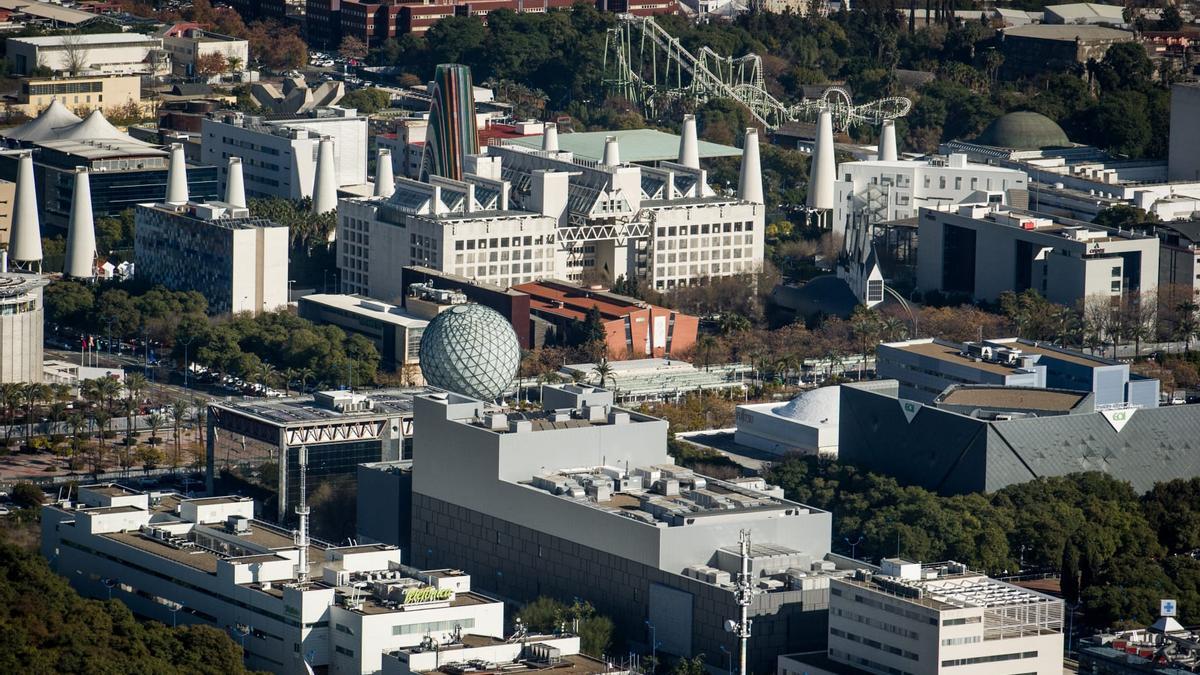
875,191
102,53
981,250
522,214
239,263
279,155
942,618
188,45
209,561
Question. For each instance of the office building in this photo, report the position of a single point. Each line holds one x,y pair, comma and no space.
452,134
189,44
873,191
925,367
279,155
1164,648
426,292
290,606
582,500
323,23
981,251
1084,13
976,438
1038,48
20,13
22,320
252,10
939,619
238,262
530,655
89,54
107,93
1184,164
632,328
124,171
341,430
393,331
1179,257
807,424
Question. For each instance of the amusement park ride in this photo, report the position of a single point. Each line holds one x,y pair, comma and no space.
645,64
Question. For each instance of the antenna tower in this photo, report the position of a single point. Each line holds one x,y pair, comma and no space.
302,512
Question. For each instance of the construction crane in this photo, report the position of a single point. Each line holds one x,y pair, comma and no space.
647,65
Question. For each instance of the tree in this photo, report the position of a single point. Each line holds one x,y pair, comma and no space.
210,64
34,393
692,666
352,48
368,100
1069,573
179,412
75,53
27,495
1125,217
603,371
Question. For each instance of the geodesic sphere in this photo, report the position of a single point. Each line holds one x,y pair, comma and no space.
470,350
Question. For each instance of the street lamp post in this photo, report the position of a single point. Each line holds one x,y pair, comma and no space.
853,545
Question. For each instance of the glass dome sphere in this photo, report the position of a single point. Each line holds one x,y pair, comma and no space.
470,350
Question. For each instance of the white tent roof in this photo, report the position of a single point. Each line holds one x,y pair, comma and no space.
93,127
820,407
43,126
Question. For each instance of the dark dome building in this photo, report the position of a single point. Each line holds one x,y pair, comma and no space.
1024,131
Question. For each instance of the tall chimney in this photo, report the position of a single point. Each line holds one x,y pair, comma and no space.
385,183
689,147
750,187
235,184
612,152
822,171
550,137
25,238
81,232
324,193
887,141
177,187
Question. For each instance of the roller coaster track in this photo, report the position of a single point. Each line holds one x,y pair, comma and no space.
647,65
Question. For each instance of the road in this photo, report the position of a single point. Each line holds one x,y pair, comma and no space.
158,388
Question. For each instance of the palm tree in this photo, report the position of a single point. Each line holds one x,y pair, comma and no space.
705,345
102,419
178,413
156,421
77,422
200,418
135,384
129,406
603,370
11,394
56,412
34,393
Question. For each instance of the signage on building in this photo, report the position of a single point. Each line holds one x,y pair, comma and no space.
424,594
1167,607
1096,250
1118,417
910,409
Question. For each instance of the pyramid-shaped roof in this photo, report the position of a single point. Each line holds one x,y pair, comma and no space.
44,126
93,127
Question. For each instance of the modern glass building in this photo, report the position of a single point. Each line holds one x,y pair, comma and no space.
452,131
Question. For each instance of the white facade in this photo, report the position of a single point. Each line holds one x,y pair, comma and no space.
874,191
188,48
279,157
807,424
239,263
104,53
942,618
184,561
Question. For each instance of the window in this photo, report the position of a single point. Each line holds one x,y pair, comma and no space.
1116,271
1116,286
989,659
342,650
342,629
961,621
433,627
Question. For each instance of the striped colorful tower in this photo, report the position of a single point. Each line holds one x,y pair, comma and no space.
452,133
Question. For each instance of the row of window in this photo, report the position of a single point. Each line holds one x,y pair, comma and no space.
975,660
890,608
705,242
875,644
705,228
703,256
432,627
876,623
855,659
962,621
502,242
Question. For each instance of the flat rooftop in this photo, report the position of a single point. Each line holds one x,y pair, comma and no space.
950,591
111,490
368,308
1068,32
1015,398
301,410
1069,356
93,40
950,353
636,145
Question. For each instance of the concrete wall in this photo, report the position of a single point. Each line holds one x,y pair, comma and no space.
1184,161
759,428
21,338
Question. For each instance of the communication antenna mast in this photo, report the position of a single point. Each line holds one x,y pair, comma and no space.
302,512
743,594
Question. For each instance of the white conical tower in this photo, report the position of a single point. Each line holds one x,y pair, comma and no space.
324,194
177,187
750,187
822,171
689,147
235,184
887,141
385,183
550,137
612,152
25,238
81,232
